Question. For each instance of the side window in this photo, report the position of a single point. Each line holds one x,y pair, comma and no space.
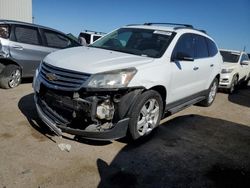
4,31
96,37
212,49
201,47
184,46
56,40
86,36
28,35
244,58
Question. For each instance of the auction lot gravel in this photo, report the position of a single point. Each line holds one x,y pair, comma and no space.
198,147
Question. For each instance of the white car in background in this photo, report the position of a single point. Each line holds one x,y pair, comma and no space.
89,37
235,69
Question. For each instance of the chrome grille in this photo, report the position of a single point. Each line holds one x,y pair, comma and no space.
63,79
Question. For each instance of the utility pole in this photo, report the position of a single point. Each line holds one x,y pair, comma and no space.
244,49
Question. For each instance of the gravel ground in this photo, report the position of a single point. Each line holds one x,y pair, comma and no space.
198,147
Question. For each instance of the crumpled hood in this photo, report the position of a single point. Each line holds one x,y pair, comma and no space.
94,60
227,65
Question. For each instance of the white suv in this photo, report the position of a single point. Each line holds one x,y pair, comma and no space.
127,81
235,69
90,36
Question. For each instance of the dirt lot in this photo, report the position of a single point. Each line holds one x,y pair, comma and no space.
198,147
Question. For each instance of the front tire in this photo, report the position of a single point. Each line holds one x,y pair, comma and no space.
211,94
146,114
10,77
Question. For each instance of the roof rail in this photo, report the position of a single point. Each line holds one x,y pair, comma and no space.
133,24
177,24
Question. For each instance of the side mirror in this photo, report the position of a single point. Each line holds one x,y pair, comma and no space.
244,62
182,57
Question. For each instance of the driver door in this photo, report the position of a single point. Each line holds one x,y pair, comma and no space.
185,77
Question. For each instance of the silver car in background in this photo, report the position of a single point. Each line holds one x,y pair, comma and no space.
23,46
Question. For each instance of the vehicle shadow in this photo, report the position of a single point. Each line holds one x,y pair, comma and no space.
27,80
27,106
187,151
241,96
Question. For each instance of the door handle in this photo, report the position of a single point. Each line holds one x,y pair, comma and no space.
17,47
211,65
195,68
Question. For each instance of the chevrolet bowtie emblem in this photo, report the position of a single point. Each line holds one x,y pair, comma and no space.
51,76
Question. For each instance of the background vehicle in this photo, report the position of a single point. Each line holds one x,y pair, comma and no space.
90,36
235,69
23,46
126,81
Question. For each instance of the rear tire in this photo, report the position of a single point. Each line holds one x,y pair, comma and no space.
146,114
10,77
233,85
211,94
245,83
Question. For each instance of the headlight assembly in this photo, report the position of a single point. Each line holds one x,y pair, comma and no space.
112,79
226,71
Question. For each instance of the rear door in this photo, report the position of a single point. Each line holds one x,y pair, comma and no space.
26,48
203,62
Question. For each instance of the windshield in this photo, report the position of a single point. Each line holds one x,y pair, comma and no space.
143,42
231,57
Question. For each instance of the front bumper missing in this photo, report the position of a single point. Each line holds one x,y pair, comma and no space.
58,125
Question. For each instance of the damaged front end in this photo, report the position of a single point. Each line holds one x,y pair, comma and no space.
100,114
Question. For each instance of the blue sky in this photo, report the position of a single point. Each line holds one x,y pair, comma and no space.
228,22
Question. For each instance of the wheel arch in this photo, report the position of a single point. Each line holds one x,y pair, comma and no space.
163,92
218,77
237,75
5,62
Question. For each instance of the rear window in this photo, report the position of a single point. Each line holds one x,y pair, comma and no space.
4,31
231,57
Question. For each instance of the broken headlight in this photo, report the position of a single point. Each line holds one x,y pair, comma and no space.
112,79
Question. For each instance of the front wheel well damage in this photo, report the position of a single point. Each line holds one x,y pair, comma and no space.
128,101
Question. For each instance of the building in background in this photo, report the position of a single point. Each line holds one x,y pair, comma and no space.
20,10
